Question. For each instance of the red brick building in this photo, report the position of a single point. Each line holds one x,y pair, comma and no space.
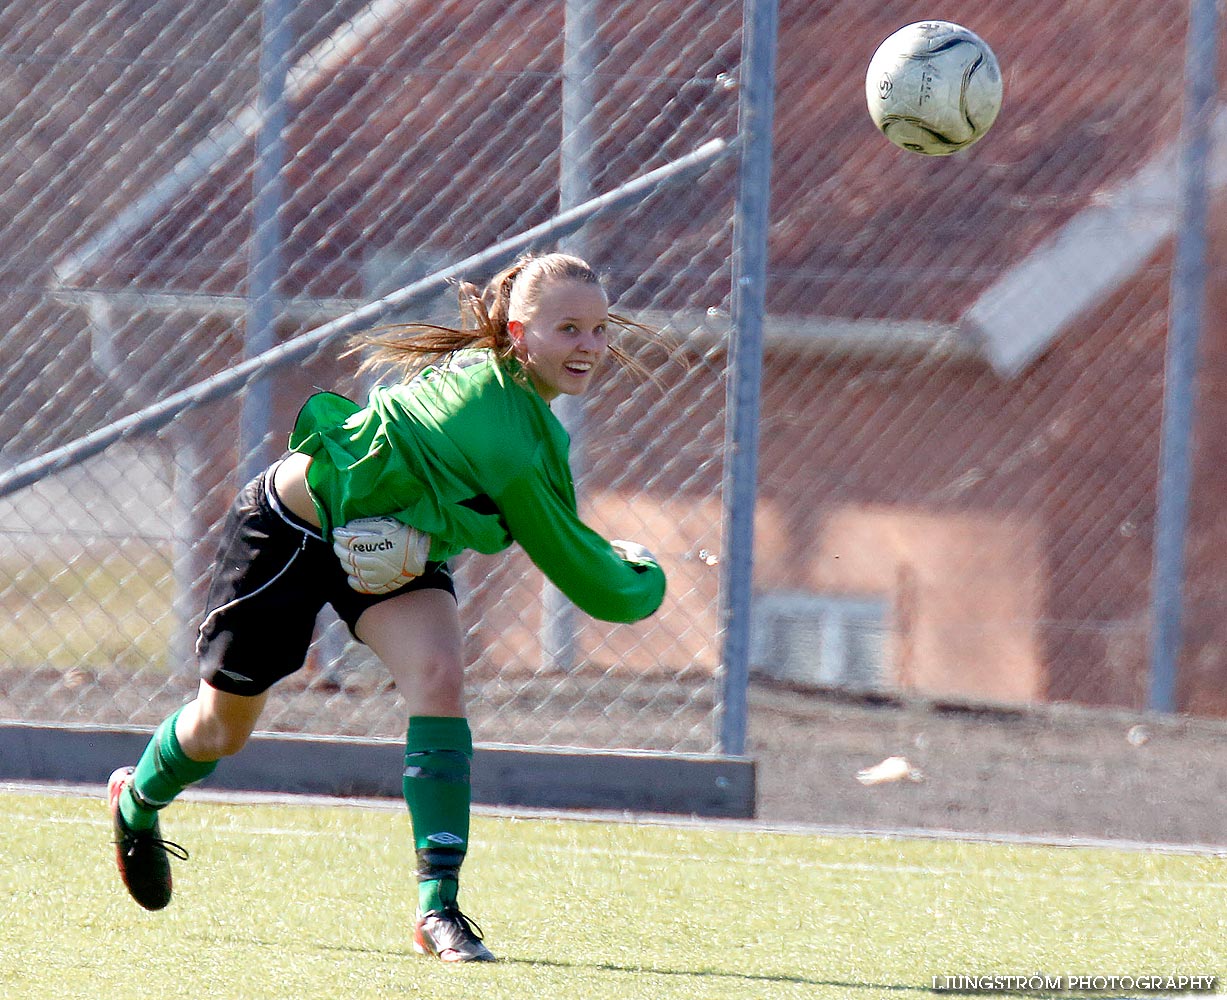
964,374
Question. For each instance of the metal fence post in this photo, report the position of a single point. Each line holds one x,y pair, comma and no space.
264,254
560,619
756,117
1188,290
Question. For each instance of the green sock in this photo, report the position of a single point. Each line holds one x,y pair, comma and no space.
438,751
163,771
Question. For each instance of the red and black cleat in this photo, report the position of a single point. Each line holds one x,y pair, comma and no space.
450,936
142,855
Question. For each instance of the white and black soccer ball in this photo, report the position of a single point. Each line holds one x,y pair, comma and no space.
933,87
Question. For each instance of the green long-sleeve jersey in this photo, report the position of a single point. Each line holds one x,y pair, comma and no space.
470,454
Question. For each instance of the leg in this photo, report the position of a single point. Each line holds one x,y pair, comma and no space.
185,749
418,636
217,724
260,614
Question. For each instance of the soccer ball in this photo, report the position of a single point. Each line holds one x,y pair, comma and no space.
933,87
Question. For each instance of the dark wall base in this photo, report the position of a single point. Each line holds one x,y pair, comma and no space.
503,774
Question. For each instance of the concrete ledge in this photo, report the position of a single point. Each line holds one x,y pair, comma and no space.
503,774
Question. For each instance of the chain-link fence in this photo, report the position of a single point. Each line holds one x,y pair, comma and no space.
190,187
963,370
962,413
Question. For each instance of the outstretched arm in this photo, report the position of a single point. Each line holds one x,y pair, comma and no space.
615,582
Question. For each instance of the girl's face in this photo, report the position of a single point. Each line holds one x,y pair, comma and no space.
561,337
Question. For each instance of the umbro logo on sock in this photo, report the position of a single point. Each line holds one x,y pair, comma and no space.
445,839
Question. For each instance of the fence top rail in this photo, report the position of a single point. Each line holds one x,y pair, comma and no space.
157,414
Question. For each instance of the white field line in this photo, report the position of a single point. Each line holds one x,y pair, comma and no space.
843,867
597,816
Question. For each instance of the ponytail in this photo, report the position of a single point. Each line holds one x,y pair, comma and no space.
484,315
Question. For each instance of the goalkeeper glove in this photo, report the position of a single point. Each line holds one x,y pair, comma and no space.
380,554
633,552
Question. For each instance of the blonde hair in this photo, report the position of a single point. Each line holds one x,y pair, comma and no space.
484,314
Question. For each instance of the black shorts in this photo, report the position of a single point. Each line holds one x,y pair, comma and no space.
274,574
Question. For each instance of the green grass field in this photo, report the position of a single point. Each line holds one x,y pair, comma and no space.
295,902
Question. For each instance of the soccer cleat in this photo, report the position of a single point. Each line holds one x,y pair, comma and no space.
141,854
450,936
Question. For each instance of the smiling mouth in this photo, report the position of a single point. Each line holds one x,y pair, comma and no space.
579,367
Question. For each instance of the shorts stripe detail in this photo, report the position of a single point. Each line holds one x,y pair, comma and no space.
259,590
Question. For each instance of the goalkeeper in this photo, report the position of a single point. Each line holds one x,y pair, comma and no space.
363,514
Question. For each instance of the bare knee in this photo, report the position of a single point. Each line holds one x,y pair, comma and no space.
215,738
216,725
435,682
418,637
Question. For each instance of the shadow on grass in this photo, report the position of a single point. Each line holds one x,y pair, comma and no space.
748,977
751,977
639,970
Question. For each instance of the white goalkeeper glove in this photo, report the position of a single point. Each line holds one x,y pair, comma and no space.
380,553
633,552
